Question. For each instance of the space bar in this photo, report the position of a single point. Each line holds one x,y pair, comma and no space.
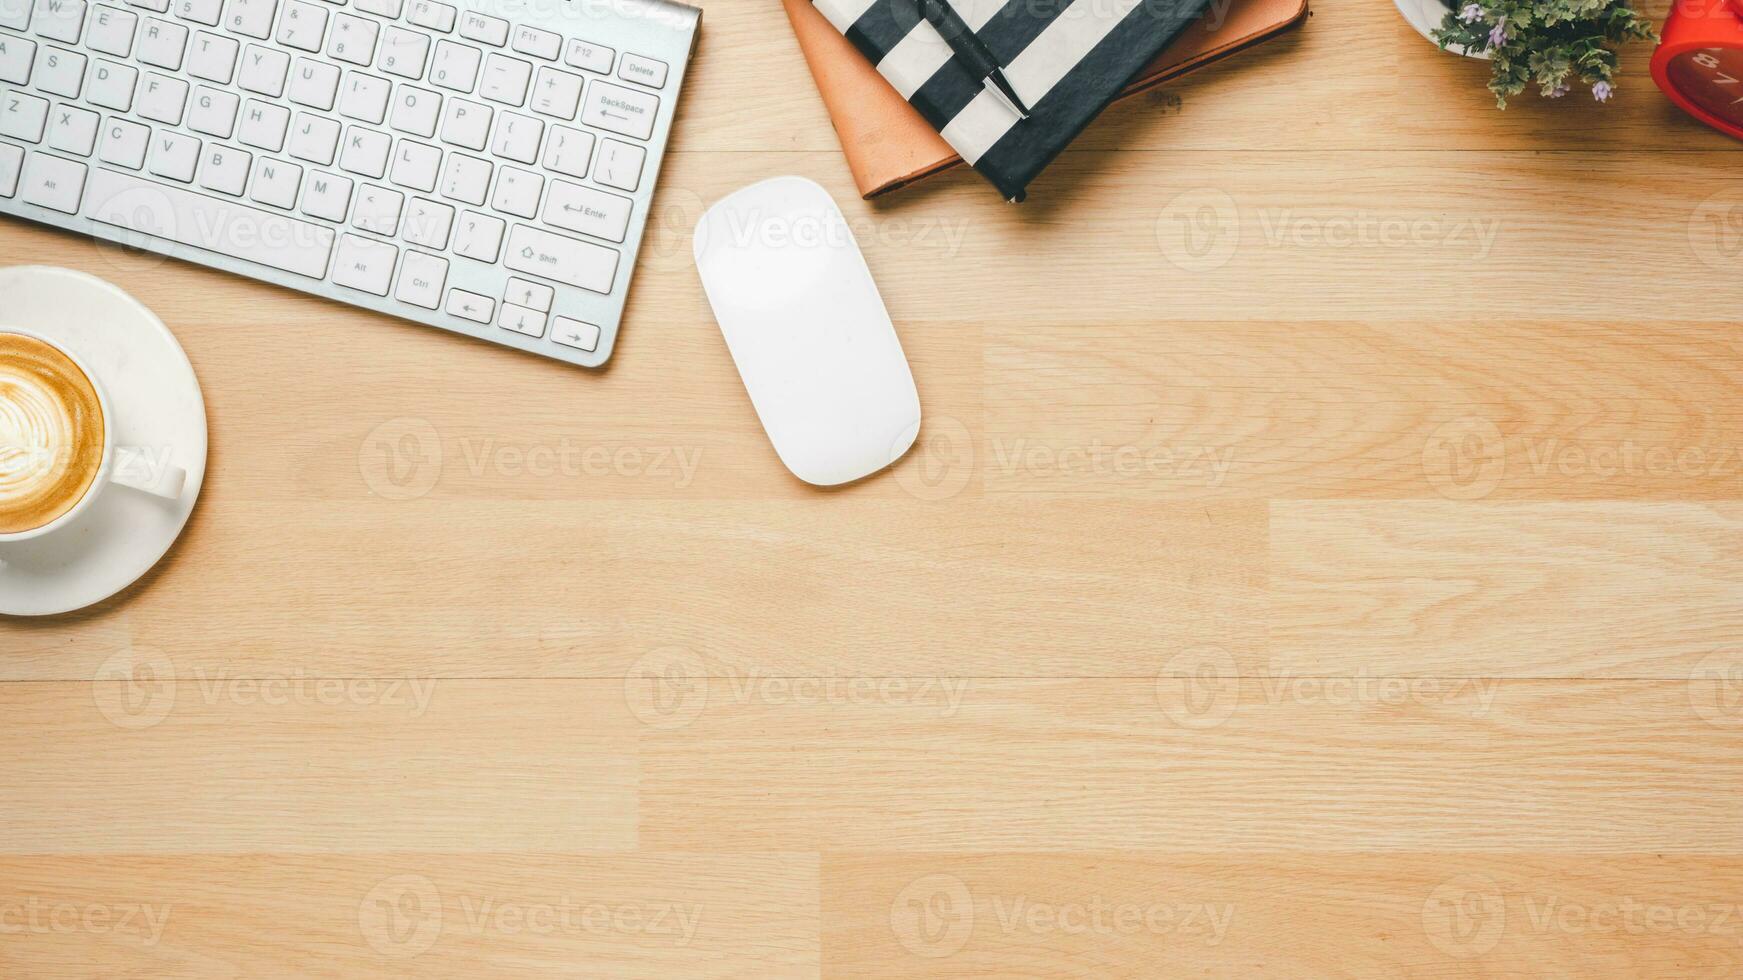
210,223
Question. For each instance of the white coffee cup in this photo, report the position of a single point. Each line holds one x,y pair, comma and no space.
123,466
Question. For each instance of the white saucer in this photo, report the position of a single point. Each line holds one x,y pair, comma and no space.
156,402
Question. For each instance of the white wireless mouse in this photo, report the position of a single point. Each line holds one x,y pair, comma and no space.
808,330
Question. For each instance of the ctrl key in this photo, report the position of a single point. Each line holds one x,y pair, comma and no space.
575,333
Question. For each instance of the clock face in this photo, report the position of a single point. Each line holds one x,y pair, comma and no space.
1711,78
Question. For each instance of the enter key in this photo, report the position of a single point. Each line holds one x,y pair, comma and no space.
587,211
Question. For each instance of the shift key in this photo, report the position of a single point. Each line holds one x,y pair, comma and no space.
560,258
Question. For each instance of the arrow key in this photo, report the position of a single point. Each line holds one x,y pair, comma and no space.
470,306
521,320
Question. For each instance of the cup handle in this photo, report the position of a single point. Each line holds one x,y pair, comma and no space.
135,468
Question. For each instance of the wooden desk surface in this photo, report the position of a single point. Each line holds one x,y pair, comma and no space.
1325,555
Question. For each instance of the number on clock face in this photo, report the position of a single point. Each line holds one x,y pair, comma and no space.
1712,78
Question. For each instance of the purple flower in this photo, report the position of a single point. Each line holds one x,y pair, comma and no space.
1498,36
1471,13
1559,91
1602,91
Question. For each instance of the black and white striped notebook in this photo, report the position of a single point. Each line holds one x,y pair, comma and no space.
1067,59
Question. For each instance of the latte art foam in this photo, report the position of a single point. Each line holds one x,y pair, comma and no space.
51,434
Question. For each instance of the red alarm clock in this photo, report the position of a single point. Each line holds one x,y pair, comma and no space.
1699,62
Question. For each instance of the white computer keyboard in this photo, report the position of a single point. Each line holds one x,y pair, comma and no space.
487,170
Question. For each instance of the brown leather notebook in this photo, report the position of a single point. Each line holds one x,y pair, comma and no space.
890,145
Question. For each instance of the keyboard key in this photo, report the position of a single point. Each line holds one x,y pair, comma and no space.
562,259
620,165
112,86
16,58
568,150
211,223
364,264
23,116
539,44
403,52
427,223
213,112
174,156
365,152
470,306
466,124
416,165
505,79
466,178
575,333
73,130
60,72
314,138
251,18
517,192
415,111
314,84
263,70
364,97
276,183
59,20
479,236
380,8
377,210
15,14
212,57
587,211
353,39
53,183
556,93
647,71
455,66
615,109
435,16
11,165
533,295
162,44
586,54
521,320
264,125
124,143
327,196
421,280
225,169
111,31
484,29
517,137
303,26
163,99
207,12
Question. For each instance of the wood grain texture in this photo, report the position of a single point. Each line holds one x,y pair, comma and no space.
1322,558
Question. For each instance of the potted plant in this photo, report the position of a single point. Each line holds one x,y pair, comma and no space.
1553,44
